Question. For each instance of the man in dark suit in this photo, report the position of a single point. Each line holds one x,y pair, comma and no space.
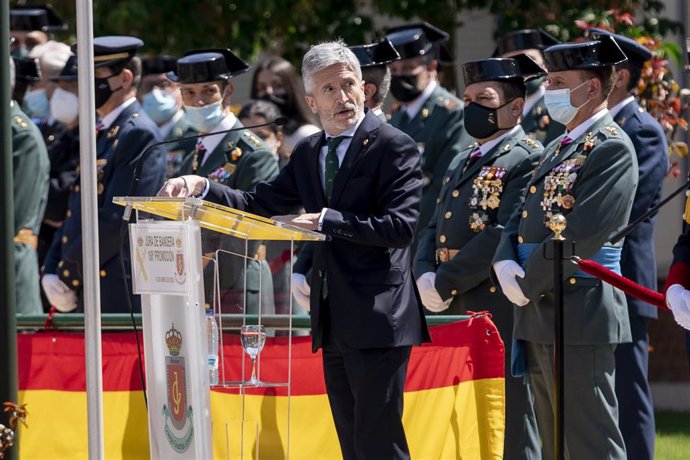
638,260
124,132
360,183
481,190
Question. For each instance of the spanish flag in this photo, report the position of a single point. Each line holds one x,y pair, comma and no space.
454,399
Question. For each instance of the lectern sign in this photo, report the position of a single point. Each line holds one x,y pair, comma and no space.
158,258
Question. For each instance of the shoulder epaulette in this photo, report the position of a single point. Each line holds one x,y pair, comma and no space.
612,131
20,121
531,143
251,138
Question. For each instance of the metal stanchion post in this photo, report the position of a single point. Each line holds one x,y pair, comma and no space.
557,224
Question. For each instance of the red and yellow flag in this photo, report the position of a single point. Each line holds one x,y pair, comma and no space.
454,399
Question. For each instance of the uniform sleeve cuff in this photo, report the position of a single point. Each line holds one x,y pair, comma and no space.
679,273
321,218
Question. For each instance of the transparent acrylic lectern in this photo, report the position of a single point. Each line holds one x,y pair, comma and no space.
191,260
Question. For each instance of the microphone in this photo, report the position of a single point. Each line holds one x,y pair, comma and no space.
278,121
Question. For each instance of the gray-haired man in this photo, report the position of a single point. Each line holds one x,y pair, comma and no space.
363,193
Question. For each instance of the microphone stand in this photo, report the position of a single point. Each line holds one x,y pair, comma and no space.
279,121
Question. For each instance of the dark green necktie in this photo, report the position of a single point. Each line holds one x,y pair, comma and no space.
332,163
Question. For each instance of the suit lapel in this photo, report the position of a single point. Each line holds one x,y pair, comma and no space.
360,143
314,166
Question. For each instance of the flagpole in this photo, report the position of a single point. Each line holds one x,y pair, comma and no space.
89,227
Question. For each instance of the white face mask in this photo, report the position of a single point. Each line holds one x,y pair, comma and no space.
558,104
64,106
205,118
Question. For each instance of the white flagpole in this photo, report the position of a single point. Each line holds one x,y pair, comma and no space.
89,228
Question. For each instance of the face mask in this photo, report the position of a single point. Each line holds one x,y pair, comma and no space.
280,100
558,104
102,91
64,106
159,105
20,52
205,118
404,87
482,122
36,104
533,85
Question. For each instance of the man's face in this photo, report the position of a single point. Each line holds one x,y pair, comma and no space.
160,81
489,94
413,66
115,81
337,96
26,41
575,80
201,94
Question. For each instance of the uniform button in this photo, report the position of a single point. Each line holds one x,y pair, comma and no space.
438,200
320,273
521,240
446,180
454,292
102,273
75,283
456,193
65,273
533,189
76,188
524,214
60,264
448,214
64,239
572,281
492,289
69,213
442,238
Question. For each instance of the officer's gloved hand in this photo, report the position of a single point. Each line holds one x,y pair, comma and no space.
506,271
59,294
430,297
678,300
300,289
184,186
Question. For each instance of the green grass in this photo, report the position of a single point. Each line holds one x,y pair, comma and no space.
672,435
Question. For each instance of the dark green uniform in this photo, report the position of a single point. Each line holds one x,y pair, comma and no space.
241,160
30,172
592,181
475,203
440,135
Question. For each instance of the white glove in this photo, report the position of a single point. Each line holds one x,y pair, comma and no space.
430,297
506,271
300,289
184,186
678,300
59,294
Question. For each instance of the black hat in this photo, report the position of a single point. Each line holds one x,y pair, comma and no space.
27,69
69,72
113,50
594,54
525,39
375,54
519,68
637,53
43,18
201,66
419,39
158,64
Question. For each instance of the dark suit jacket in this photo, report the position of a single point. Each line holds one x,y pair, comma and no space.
638,261
370,224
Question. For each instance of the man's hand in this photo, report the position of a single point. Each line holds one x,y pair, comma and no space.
309,221
183,186
678,300
59,294
507,271
300,289
430,297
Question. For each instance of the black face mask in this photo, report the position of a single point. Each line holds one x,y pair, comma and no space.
404,87
482,122
102,91
281,101
533,85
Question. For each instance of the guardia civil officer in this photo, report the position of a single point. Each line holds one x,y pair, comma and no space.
160,97
124,131
373,59
638,261
428,113
238,159
589,175
482,188
30,167
535,117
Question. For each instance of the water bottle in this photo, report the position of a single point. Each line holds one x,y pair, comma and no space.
212,333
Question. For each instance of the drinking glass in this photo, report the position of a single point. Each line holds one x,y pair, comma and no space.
253,337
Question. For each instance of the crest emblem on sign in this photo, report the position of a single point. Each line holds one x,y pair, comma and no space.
180,273
179,428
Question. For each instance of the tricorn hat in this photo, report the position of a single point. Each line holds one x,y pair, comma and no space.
594,54
201,66
524,39
519,68
420,39
43,18
375,54
636,53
